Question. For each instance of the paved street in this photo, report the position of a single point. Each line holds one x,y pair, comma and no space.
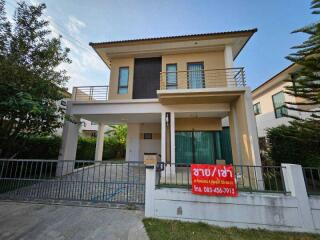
26,221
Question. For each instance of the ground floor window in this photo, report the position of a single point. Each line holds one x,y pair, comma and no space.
203,146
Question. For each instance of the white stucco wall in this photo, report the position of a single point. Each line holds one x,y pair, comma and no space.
137,146
150,145
292,212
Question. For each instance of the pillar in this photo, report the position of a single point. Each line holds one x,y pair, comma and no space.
133,143
163,137
228,62
150,188
295,184
68,148
173,137
99,143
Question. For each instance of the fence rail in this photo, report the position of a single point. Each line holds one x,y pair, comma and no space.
211,78
312,180
115,182
248,178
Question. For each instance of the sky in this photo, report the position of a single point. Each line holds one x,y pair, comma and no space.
83,21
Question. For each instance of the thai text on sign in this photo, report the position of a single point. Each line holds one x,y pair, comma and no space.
214,180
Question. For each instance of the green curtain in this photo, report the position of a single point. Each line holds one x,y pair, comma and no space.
183,143
203,147
226,145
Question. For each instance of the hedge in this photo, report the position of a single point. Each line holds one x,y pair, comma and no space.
48,148
289,144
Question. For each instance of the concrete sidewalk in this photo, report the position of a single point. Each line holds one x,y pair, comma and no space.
39,221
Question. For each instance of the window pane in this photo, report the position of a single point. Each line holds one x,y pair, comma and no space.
123,77
278,104
123,90
171,76
278,99
195,75
256,108
123,80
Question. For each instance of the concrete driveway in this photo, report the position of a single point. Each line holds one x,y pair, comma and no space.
26,221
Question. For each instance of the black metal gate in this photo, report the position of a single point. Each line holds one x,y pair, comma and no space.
111,182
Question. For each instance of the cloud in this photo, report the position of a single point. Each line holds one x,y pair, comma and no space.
85,62
74,25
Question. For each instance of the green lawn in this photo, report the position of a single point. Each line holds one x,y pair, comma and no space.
166,230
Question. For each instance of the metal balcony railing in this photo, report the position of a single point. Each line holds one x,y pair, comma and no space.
90,93
211,78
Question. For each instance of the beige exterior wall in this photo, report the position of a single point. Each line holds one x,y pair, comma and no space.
198,124
211,60
114,76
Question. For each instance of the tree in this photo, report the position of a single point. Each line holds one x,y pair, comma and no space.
299,142
30,80
118,135
305,82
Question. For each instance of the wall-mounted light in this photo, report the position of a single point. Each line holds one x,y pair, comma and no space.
167,119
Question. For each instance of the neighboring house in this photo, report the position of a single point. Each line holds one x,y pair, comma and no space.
269,100
173,93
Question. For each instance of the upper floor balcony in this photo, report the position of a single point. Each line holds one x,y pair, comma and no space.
172,82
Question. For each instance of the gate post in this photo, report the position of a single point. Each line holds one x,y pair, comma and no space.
150,188
295,184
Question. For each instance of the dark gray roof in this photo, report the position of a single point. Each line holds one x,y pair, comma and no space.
177,37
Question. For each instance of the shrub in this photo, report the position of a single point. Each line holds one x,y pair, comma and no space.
37,147
297,143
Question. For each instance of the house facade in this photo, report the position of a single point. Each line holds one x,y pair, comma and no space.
173,93
269,100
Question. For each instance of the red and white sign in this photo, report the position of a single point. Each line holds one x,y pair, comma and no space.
214,180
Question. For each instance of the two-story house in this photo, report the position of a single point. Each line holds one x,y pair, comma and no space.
173,93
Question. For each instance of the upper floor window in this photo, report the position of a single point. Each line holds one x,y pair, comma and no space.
123,80
171,78
257,108
279,105
196,75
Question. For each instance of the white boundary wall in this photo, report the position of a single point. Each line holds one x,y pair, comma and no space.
293,212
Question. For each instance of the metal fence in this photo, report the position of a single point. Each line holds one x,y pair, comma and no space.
248,178
114,182
312,180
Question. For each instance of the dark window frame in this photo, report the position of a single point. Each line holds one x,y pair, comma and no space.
203,75
259,108
172,85
277,108
123,86
147,136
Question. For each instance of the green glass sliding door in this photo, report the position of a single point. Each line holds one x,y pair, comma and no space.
203,146
184,145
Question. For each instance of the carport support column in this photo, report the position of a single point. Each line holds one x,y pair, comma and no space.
69,144
163,137
172,137
99,143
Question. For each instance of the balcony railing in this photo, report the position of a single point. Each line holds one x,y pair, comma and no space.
90,93
214,78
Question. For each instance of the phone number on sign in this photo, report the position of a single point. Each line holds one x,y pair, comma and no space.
217,190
